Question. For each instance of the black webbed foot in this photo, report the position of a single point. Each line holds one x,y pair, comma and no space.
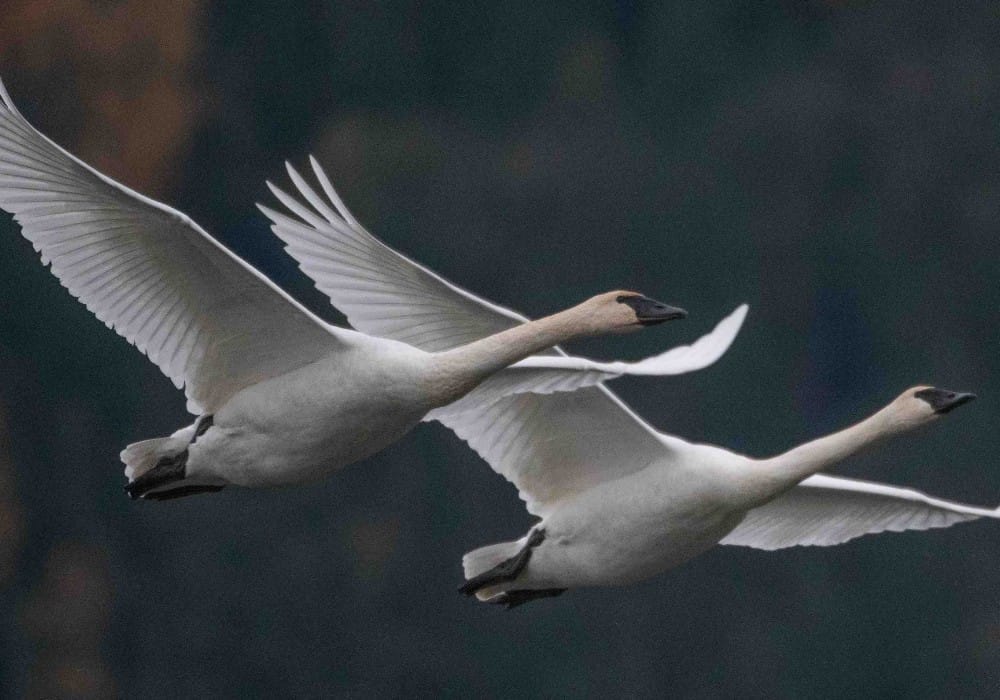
514,598
167,470
202,425
507,570
181,491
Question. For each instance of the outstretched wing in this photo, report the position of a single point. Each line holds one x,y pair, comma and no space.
547,444
385,293
551,374
380,291
210,322
826,510
553,446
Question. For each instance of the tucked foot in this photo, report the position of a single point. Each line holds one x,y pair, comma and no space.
181,491
202,425
507,570
514,598
167,470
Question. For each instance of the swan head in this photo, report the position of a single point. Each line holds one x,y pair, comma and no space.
922,404
621,311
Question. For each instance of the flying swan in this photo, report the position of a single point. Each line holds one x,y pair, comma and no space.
620,502
281,396
617,500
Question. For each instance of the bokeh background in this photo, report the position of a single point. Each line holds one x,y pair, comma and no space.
836,164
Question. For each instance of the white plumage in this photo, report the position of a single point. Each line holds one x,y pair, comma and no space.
618,500
826,510
282,396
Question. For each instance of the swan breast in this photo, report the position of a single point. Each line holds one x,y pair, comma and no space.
301,426
630,529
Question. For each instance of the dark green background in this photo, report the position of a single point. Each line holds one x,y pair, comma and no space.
836,165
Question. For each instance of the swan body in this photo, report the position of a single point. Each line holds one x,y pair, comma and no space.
281,396
270,433
630,529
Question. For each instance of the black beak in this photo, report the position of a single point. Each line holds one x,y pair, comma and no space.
650,312
942,400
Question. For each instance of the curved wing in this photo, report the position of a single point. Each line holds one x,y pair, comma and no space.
552,446
379,290
826,510
548,375
211,323
386,294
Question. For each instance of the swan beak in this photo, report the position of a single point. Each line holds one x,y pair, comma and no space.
650,312
942,400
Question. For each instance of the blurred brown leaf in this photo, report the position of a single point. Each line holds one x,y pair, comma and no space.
123,69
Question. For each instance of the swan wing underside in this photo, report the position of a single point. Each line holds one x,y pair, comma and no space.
552,374
826,510
210,322
553,446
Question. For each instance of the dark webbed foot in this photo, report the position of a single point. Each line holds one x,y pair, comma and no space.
201,427
180,492
167,470
514,598
506,570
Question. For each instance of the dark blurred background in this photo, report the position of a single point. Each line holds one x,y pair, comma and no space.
836,164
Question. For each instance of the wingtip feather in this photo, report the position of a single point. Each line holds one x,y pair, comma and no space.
5,96
331,193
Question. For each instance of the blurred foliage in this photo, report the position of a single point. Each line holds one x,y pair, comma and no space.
833,163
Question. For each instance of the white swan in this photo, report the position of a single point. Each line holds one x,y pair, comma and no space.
619,501
623,502
283,397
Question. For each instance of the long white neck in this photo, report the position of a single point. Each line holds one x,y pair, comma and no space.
778,474
458,371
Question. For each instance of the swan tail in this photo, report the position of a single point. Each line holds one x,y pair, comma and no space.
492,573
479,561
156,470
140,457
491,570
485,558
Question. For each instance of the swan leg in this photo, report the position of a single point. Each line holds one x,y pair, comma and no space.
507,570
167,470
519,597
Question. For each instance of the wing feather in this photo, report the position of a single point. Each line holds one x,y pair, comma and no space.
379,290
548,375
211,323
826,510
552,446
